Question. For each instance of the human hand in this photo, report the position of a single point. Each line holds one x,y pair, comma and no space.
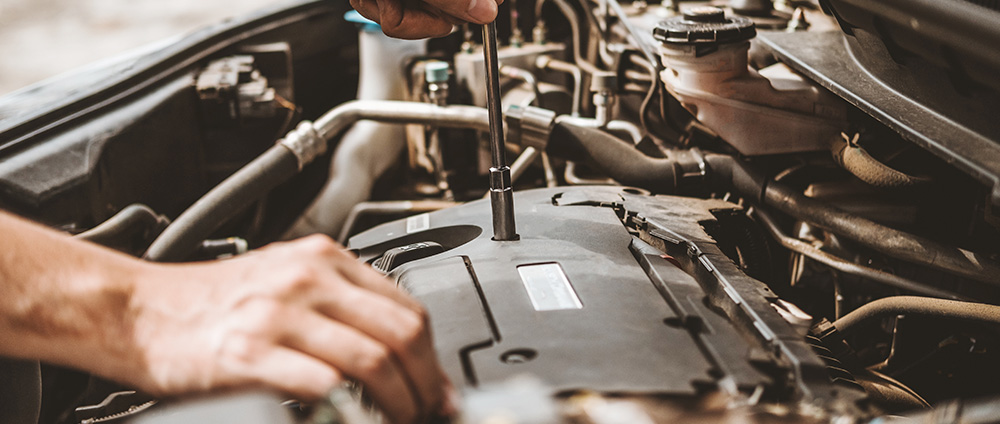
414,19
299,316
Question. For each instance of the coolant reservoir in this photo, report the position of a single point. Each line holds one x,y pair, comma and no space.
369,148
772,111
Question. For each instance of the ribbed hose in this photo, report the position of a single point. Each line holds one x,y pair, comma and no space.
915,305
267,171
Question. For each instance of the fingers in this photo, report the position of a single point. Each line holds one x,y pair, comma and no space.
414,19
353,271
362,303
363,276
294,373
360,357
475,11
403,331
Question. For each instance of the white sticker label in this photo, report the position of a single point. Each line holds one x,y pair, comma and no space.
418,223
548,287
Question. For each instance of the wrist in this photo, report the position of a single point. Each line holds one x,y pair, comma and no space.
98,317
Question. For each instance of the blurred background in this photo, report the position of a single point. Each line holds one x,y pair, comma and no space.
43,38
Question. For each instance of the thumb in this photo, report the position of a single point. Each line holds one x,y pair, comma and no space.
476,11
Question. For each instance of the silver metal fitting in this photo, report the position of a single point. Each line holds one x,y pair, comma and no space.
529,126
305,143
502,197
691,167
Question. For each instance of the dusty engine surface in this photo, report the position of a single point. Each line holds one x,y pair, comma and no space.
728,212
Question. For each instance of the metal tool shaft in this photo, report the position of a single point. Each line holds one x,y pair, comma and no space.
501,190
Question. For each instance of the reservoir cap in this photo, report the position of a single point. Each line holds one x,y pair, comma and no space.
704,25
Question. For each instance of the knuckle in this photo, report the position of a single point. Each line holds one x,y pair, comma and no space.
375,363
322,381
412,329
259,319
393,29
321,244
299,279
266,311
240,350
329,380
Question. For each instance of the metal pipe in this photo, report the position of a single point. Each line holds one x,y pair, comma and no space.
501,190
334,122
753,185
844,265
523,161
648,51
915,305
300,147
550,174
574,27
525,77
548,63
892,242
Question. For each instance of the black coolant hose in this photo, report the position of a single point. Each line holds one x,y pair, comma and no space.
618,160
274,166
130,220
283,161
916,305
727,171
629,166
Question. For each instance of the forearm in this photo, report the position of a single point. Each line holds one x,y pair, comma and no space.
62,300
297,316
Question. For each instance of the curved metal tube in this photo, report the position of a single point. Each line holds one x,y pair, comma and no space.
525,77
548,63
289,156
337,120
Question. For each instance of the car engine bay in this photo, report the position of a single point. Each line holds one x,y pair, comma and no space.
733,211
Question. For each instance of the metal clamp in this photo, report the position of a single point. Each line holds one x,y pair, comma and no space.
305,143
529,126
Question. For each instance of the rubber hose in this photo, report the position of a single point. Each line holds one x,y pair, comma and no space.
231,196
857,161
728,172
130,220
916,305
620,161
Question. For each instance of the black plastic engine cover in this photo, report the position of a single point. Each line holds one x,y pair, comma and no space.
580,301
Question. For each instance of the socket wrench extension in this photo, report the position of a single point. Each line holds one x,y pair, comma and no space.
501,190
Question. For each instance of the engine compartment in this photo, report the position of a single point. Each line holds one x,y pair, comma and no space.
728,212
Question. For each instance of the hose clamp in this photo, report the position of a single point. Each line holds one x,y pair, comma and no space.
305,143
691,167
529,126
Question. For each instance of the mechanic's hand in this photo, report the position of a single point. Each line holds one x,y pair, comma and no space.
413,19
300,317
